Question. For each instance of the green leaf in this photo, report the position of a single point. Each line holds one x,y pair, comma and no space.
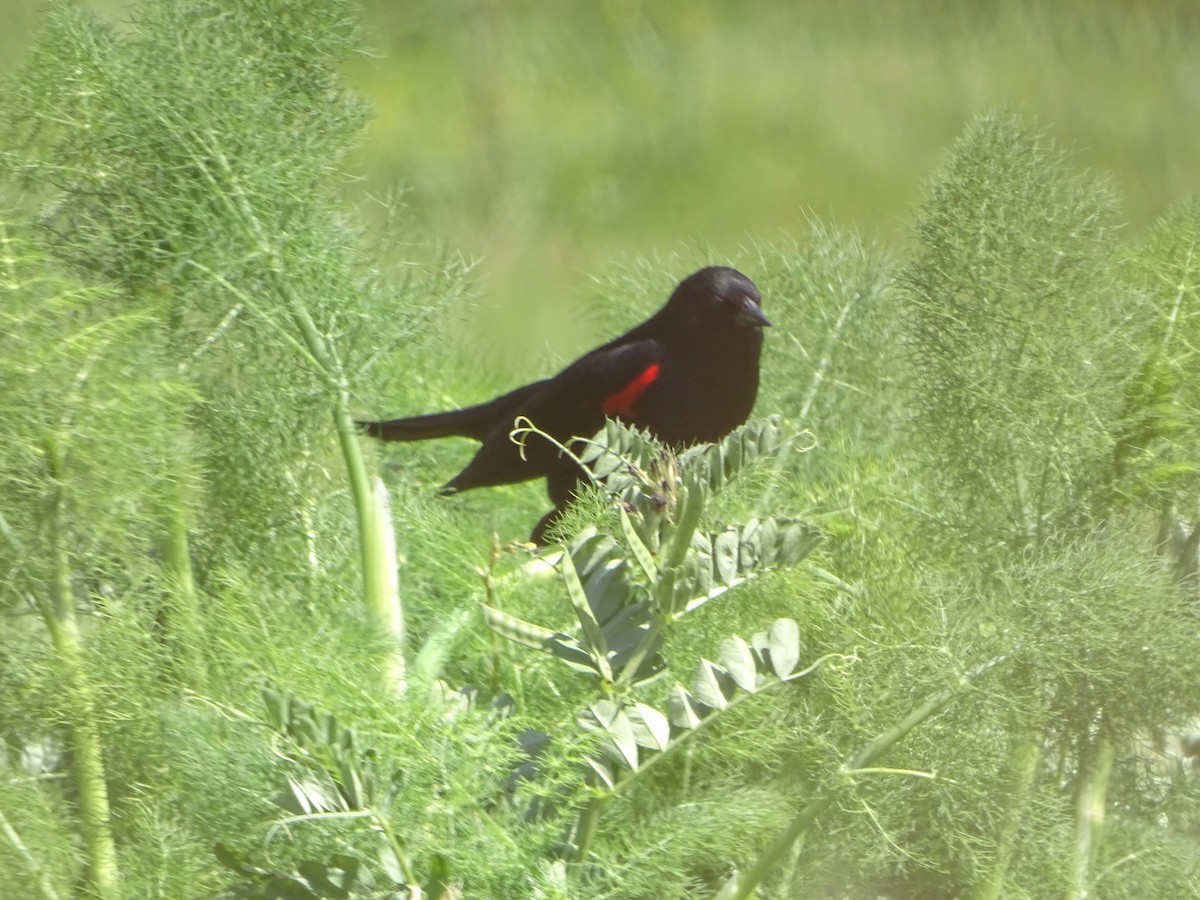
352,782
798,540
388,861
625,630
338,879
760,542
681,708
302,723
517,630
626,633
609,589
277,709
706,685
783,642
568,650
641,553
231,860
591,551
737,659
602,772
603,464
651,729
265,885
697,567
593,634
718,463
562,646
310,795
611,720
761,647
725,556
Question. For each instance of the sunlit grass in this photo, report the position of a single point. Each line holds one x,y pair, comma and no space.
549,140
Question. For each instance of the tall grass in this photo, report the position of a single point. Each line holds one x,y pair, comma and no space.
550,138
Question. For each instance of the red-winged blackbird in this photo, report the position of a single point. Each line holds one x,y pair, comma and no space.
688,374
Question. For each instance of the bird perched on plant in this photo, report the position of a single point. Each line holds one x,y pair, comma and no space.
688,375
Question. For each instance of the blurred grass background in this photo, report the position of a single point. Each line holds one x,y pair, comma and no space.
548,140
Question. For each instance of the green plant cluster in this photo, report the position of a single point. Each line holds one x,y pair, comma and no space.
925,629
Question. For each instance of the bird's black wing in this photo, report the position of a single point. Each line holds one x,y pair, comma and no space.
574,403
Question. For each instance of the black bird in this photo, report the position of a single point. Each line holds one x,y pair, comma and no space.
688,375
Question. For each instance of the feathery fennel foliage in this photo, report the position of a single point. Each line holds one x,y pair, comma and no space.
82,481
1017,338
1004,658
188,163
1155,463
1025,354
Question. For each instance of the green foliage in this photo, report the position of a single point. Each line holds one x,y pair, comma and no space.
623,595
120,131
334,778
979,687
550,140
1155,453
625,599
156,155
1027,408
215,293
1013,314
74,407
73,400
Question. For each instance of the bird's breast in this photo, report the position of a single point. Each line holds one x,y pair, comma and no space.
690,402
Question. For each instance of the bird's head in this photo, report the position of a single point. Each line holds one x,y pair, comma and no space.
719,296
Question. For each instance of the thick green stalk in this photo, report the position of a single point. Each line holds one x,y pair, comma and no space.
588,824
377,541
183,626
58,610
383,584
377,551
1024,754
376,537
1089,813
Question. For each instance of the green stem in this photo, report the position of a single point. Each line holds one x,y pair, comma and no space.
589,823
398,848
777,851
1090,812
376,537
184,627
1024,754
59,613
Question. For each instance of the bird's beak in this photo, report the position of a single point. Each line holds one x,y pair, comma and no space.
751,315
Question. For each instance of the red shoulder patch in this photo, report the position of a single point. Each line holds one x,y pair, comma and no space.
621,403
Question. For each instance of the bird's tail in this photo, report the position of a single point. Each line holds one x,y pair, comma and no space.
420,428
471,421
